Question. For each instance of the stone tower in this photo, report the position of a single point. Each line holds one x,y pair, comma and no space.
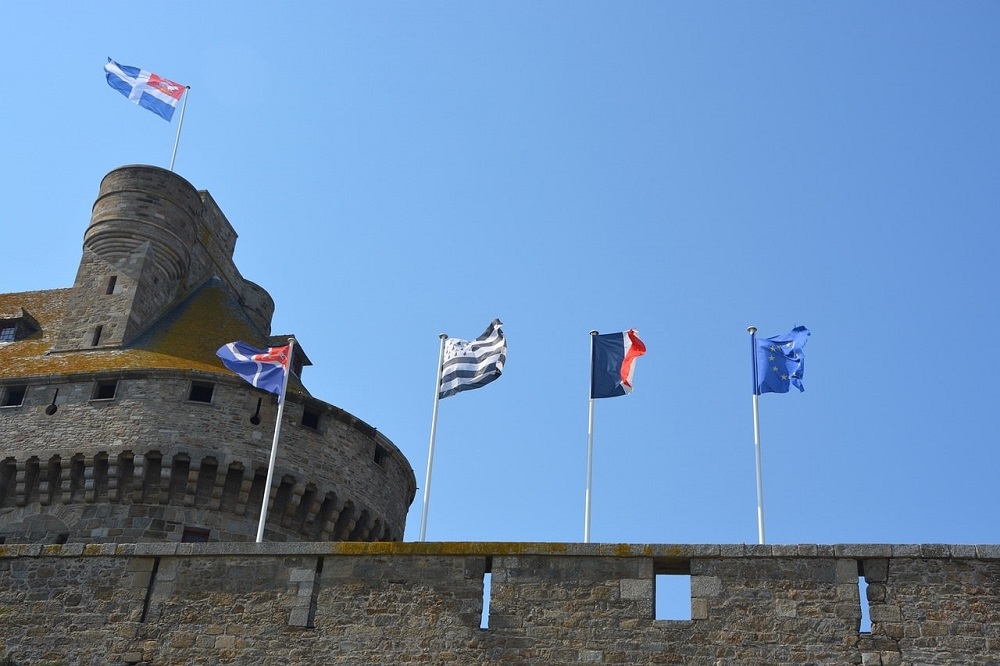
120,424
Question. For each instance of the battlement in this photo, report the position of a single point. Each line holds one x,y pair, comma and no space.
548,603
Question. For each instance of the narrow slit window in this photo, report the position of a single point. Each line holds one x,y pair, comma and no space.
673,597
866,620
111,284
484,622
105,389
13,396
96,340
201,392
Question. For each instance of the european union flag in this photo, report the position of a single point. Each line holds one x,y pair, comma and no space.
780,362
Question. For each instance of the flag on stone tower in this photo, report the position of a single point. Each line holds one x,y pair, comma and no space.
263,368
469,365
146,89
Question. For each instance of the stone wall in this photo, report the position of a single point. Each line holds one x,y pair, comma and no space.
358,603
150,463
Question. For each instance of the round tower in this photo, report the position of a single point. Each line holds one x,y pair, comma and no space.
120,423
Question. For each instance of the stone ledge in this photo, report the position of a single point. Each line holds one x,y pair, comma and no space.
487,549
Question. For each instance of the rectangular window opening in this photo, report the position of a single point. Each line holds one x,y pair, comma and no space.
97,336
8,333
866,620
380,455
13,396
310,419
105,389
201,392
484,621
672,598
111,284
195,535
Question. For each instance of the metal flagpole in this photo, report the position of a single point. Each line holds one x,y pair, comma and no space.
430,449
180,122
756,437
590,446
274,446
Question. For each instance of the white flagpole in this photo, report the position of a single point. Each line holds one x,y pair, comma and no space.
590,446
180,122
274,446
430,449
752,330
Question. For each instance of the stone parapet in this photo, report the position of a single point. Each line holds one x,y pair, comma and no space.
546,603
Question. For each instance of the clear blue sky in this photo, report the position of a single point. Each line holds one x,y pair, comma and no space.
399,170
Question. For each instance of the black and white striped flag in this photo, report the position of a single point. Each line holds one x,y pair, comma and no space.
469,365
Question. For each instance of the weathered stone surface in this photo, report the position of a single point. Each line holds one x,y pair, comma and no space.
422,603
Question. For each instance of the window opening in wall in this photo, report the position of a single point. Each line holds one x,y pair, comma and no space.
97,336
380,455
310,419
672,598
195,535
866,620
13,396
201,392
105,389
8,333
484,621
111,284
62,538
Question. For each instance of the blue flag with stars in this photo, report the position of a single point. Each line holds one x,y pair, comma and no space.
780,362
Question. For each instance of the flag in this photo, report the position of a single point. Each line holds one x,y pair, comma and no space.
146,89
781,362
613,362
264,368
469,365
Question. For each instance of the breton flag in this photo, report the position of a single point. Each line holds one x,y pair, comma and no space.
146,89
780,362
613,358
263,368
469,365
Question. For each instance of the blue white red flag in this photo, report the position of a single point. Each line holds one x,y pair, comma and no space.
146,89
263,368
613,362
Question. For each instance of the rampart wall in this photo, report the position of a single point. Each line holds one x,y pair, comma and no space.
397,603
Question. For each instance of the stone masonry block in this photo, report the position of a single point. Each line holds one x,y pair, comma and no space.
632,588
876,571
847,571
705,586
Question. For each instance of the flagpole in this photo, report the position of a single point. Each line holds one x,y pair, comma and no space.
752,330
590,446
180,122
430,449
274,445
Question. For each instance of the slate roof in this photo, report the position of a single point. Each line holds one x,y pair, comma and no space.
184,339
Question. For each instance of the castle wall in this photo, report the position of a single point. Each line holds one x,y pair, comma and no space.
356,603
149,463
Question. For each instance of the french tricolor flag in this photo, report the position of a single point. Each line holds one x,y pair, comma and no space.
612,363
146,89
